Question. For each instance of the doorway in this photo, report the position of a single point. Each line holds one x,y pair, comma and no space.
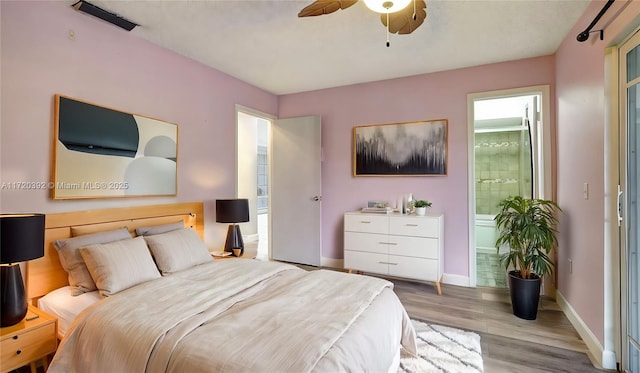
508,155
252,177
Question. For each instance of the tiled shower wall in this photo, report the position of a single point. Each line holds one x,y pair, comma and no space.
502,168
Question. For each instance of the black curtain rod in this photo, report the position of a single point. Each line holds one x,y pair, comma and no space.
584,35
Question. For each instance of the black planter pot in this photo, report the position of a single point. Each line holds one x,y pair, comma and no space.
525,295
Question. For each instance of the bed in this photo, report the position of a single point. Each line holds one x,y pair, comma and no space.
214,315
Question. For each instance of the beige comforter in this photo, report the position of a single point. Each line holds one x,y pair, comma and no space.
241,315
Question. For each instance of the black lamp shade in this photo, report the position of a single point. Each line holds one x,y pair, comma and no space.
232,210
21,239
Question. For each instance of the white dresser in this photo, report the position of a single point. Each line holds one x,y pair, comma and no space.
396,245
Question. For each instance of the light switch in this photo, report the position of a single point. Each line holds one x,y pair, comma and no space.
585,190
570,266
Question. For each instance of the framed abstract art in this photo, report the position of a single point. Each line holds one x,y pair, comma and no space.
101,152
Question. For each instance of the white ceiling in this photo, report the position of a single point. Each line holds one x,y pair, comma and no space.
264,43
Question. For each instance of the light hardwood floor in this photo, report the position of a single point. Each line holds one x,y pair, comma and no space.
509,344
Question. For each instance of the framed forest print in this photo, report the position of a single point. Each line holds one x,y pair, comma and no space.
401,149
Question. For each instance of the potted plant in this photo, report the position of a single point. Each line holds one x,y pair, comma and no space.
527,227
421,205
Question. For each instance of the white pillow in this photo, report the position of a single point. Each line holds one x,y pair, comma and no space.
80,280
177,250
119,265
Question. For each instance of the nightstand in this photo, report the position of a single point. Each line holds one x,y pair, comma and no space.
31,339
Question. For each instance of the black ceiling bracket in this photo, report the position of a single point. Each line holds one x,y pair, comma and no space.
584,35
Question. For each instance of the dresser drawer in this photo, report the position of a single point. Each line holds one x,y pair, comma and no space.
423,226
367,242
367,262
366,223
419,247
28,346
416,268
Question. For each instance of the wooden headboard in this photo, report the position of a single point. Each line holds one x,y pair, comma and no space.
46,274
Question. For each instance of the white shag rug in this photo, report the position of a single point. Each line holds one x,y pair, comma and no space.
442,349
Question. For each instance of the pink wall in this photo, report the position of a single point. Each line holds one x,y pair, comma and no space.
109,66
580,91
423,97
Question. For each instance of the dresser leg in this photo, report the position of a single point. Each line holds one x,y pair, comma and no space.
438,289
32,365
350,270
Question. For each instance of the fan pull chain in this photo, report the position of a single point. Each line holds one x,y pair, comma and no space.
388,31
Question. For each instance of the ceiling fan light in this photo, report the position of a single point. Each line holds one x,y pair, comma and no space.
386,6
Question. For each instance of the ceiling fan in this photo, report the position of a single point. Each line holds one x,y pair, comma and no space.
396,15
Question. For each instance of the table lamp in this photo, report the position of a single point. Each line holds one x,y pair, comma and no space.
21,239
233,211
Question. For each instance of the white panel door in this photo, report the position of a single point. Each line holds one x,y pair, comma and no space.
295,210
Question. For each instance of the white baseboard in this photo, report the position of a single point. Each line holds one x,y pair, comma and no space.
457,280
604,359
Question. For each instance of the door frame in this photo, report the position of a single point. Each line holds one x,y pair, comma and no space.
616,299
545,185
613,350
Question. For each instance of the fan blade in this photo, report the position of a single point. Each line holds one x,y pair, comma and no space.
402,22
320,7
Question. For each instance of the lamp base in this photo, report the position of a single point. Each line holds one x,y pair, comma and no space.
14,299
234,239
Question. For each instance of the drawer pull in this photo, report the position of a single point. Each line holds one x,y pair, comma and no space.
15,337
393,264
387,243
365,222
411,225
18,352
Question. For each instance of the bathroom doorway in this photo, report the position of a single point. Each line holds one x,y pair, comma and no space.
252,181
507,139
